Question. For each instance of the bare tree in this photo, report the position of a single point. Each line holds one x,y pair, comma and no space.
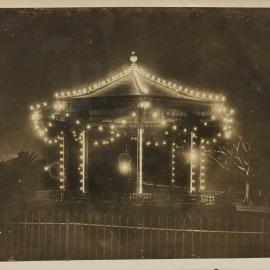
237,157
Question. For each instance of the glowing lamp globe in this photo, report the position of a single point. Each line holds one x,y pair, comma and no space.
124,167
133,58
193,156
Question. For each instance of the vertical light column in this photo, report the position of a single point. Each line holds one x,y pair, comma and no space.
139,184
62,159
202,165
84,162
173,164
192,187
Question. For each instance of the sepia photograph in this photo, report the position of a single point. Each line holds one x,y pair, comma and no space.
134,133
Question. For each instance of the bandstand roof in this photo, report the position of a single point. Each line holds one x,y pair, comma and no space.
135,81
115,98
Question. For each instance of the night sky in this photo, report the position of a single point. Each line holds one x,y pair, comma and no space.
221,50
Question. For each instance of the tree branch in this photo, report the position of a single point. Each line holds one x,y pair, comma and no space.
220,164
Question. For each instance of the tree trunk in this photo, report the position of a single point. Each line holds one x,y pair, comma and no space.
248,200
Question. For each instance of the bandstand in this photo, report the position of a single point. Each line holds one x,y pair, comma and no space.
117,119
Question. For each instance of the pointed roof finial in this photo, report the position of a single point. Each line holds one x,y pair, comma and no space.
133,58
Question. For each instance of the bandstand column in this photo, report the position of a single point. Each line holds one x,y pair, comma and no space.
191,188
202,165
173,165
65,143
63,165
84,162
139,184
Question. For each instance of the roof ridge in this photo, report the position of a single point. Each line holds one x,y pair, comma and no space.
102,87
178,89
94,87
138,83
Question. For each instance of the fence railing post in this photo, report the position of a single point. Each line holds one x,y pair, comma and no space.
96,235
5,237
151,238
25,236
67,237
127,222
236,237
45,251
111,246
142,241
200,238
59,235
183,237
217,236
52,251
209,238
159,253
82,240
192,237
175,238
119,237
226,238
38,236
89,239
262,238
104,236
167,237
32,235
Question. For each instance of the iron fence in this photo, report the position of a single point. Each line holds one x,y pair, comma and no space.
41,235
